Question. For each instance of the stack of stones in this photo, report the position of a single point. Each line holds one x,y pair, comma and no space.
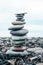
18,34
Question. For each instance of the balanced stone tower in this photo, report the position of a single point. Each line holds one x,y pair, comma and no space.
18,36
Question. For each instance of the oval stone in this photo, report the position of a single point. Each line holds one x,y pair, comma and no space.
19,37
18,23
20,14
19,32
17,53
20,17
19,48
18,42
15,28
20,20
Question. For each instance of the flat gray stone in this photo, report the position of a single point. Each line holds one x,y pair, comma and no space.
17,53
19,32
16,27
19,37
18,42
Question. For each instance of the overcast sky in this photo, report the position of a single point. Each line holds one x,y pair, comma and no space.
33,18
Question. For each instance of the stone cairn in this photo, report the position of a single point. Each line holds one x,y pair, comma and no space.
19,35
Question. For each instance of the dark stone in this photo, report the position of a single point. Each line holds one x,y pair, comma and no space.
16,28
19,32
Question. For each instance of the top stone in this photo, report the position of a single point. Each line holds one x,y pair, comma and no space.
20,17
20,14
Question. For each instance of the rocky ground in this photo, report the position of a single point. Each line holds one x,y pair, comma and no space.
12,62
40,64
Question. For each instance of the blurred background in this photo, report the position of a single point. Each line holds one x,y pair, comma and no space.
33,18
